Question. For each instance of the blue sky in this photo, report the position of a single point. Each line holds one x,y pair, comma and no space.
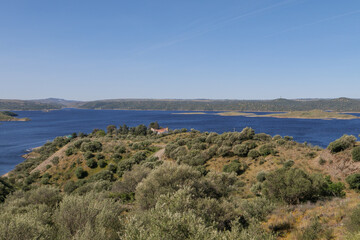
223,49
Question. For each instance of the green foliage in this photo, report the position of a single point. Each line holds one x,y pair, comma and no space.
224,151
70,151
91,163
5,189
236,167
94,146
55,160
111,129
342,143
354,181
168,178
8,113
88,217
241,150
154,125
254,154
266,150
88,155
102,163
80,173
261,177
131,179
356,154
256,209
292,186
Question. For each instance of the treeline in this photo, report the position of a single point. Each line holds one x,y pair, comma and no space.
6,104
339,105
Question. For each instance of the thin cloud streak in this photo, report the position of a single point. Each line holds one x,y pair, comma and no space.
316,22
212,27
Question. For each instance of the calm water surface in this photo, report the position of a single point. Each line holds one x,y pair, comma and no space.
17,137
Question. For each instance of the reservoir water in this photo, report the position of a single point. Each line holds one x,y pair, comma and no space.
18,137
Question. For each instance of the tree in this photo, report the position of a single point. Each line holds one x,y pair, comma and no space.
342,143
356,154
154,125
80,173
5,189
140,130
111,129
354,181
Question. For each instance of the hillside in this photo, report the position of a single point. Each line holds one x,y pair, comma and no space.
12,105
127,182
6,116
277,105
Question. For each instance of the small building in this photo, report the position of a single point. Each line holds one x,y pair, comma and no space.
160,130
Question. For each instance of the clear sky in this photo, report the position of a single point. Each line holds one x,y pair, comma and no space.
218,49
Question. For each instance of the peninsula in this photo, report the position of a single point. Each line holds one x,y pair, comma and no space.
7,116
313,114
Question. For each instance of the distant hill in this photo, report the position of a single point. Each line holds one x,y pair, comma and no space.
40,104
276,105
6,104
338,105
59,101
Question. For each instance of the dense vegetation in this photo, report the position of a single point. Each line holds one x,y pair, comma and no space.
6,104
130,183
337,105
10,116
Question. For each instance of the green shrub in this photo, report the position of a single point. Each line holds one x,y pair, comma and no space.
103,175
240,150
5,189
33,223
254,154
88,155
262,137
261,177
168,178
91,163
88,217
266,150
159,223
354,181
235,166
44,195
112,168
70,151
292,186
70,186
94,146
356,154
131,179
342,143
100,156
102,163
224,151
80,173
55,160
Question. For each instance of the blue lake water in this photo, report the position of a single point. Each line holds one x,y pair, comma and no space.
17,137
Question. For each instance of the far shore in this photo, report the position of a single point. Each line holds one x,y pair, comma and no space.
313,114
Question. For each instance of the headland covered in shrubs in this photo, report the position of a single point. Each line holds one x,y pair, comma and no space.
133,183
6,116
